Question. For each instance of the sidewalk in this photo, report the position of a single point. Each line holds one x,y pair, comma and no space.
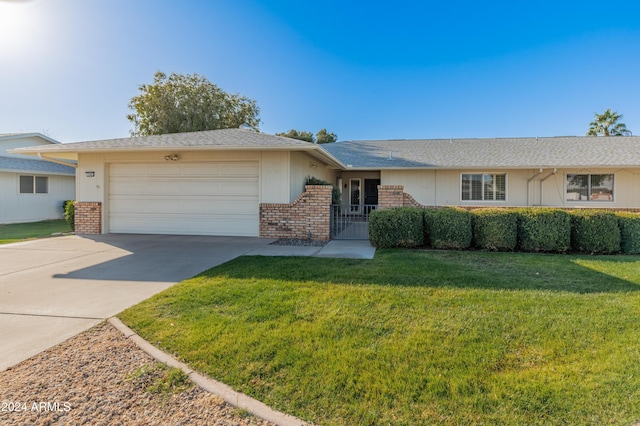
346,249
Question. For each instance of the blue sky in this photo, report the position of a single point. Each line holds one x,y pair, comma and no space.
364,70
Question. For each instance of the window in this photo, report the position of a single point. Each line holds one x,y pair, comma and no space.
34,184
590,187
484,187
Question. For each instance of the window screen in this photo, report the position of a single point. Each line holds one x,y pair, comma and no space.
26,184
42,184
34,185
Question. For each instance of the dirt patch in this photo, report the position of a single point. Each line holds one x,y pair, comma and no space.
101,378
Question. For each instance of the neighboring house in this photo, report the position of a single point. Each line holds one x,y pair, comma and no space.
32,189
239,182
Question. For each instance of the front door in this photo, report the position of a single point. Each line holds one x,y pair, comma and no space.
371,191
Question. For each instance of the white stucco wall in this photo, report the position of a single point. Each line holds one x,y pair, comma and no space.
18,208
626,189
442,187
302,167
275,175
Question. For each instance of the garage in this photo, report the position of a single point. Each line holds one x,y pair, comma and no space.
212,198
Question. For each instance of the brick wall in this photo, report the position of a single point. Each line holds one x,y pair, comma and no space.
390,196
88,217
308,217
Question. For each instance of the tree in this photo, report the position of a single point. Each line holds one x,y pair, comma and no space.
606,124
296,134
188,103
325,137
321,137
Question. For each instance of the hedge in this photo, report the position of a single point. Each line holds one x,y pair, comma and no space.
543,230
448,228
595,231
629,224
69,212
397,227
495,229
536,229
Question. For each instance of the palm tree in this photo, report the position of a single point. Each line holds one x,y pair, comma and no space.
606,124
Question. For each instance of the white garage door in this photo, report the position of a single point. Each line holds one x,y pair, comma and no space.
217,198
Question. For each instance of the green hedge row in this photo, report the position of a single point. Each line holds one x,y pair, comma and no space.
448,228
495,229
399,227
524,229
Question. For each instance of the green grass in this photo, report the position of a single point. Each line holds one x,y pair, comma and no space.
415,337
25,231
158,378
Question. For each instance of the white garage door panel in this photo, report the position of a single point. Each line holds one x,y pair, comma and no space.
142,224
191,207
219,198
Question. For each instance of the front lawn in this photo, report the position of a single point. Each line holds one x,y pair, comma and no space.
415,337
14,232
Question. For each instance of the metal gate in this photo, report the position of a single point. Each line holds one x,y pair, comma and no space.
350,221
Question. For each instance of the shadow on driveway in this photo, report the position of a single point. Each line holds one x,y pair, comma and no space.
162,258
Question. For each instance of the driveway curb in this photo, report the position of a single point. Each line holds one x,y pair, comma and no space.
237,399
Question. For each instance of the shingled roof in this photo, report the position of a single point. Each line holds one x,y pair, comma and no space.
499,153
496,153
224,138
26,165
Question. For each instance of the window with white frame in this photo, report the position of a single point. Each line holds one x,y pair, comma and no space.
590,187
484,187
34,184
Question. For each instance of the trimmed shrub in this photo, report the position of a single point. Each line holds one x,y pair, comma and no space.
448,228
543,230
69,212
629,224
397,227
595,231
495,229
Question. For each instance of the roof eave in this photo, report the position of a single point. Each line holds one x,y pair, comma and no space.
486,167
29,135
63,152
36,172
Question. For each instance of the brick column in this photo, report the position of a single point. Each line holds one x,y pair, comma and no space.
88,217
390,196
319,212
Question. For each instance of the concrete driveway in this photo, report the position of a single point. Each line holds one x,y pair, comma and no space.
52,289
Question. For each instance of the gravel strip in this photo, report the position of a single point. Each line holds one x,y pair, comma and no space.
298,242
95,379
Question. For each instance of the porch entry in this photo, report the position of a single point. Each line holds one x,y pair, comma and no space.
350,221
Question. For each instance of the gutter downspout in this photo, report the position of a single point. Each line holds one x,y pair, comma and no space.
64,163
545,178
529,181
